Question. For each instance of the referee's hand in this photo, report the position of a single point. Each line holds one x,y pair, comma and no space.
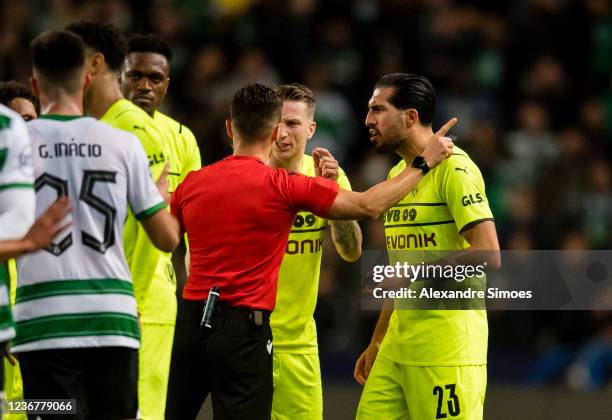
439,147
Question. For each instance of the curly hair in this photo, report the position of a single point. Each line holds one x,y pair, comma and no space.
149,43
103,38
12,89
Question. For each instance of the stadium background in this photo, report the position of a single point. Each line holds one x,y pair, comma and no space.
531,84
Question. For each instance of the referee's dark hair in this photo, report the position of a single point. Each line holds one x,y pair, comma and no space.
103,38
149,43
11,90
411,91
58,57
255,110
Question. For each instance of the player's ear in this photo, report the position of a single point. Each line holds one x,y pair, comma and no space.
228,128
34,86
410,117
312,127
95,62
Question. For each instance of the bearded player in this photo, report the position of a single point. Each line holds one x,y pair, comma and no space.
426,364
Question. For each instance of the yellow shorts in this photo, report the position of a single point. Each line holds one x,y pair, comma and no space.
396,391
154,370
13,387
298,393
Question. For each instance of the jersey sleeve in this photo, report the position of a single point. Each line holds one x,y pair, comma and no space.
143,196
16,170
17,197
176,207
193,160
463,190
343,180
313,194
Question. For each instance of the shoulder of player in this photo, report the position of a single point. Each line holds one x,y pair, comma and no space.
459,161
400,166
178,129
7,114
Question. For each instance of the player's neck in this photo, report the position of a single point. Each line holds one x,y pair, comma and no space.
415,143
105,92
257,150
61,104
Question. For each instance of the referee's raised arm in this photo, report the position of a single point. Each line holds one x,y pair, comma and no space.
237,214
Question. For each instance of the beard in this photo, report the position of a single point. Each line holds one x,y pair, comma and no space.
389,143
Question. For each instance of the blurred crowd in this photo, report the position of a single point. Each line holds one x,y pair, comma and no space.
529,80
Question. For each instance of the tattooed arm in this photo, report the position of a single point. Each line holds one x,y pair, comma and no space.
346,235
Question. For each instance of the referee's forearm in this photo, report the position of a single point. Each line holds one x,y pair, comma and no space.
384,195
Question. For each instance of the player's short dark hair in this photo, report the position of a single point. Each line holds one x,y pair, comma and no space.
411,91
59,57
255,110
103,38
12,89
299,93
149,43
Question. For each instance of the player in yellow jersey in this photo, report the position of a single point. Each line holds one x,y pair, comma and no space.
296,371
152,271
144,81
426,364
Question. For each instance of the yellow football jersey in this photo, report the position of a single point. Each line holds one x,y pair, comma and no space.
431,217
293,326
151,269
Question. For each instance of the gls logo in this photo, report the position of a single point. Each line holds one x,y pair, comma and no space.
472,199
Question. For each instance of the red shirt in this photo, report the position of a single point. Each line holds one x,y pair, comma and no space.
237,214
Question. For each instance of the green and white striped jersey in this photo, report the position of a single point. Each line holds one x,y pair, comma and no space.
77,292
16,198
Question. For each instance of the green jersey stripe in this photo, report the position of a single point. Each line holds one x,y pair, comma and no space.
73,287
60,117
150,212
75,325
5,122
445,222
16,185
3,154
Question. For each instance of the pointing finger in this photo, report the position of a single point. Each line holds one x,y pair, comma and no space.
446,127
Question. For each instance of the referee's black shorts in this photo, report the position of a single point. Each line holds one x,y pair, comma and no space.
232,361
102,380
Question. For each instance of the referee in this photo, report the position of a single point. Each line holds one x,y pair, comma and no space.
237,214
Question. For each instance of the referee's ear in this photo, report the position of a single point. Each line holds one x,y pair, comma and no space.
228,128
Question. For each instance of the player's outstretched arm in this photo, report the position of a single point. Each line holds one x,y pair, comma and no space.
42,232
373,202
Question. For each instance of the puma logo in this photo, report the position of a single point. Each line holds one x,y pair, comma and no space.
462,169
269,346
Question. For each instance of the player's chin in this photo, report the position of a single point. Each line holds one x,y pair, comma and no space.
146,104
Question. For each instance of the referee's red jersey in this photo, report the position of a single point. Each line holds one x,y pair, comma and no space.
237,214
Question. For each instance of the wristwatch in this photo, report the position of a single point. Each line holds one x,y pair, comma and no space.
420,162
